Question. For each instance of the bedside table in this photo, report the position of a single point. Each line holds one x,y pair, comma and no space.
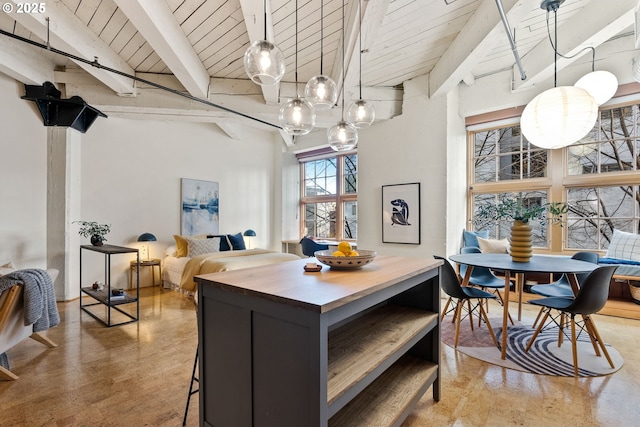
152,263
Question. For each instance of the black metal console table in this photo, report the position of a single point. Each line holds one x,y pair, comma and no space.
104,296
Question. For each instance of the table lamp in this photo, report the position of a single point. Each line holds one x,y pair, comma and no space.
146,237
249,233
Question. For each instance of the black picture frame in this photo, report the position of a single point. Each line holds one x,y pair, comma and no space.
401,213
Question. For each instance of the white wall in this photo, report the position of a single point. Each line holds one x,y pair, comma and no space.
130,178
131,173
23,171
408,148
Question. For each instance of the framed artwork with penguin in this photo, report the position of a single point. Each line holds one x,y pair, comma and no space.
401,213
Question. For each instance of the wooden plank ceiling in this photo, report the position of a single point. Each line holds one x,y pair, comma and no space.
197,46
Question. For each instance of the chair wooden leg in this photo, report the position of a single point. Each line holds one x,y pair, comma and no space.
455,310
457,316
43,340
592,336
535,334
574,347
444,310
538,317
486,319
561,329
470,314
502,304
6,374
592,329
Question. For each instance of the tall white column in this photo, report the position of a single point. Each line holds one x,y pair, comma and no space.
63,207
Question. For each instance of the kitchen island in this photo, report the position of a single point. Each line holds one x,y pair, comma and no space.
281,347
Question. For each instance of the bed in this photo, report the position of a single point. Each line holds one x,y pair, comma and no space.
178,271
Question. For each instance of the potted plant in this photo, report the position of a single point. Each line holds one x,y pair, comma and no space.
508,208
96,232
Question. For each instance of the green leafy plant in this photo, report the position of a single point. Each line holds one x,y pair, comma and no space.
92,228
509,208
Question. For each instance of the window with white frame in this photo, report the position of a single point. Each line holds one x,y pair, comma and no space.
597,177
329,197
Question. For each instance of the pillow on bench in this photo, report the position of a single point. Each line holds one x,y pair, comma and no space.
624,246
494,246
470,238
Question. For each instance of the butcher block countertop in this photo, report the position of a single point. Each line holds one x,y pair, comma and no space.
322,291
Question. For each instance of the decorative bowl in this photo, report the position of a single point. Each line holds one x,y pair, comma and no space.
345,262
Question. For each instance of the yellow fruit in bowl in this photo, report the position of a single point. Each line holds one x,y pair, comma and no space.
345,248
338,253
354,253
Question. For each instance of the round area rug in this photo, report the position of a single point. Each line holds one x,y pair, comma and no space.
544,356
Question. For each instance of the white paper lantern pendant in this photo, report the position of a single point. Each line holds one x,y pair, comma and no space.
559,117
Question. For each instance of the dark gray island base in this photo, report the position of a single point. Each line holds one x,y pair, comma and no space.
282,347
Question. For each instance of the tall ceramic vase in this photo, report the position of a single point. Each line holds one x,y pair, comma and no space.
521,241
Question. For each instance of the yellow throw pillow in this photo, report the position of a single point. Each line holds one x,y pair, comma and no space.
493,246
183,244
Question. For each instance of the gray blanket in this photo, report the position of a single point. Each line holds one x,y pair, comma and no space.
40,307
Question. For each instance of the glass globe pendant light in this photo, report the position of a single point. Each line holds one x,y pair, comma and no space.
296,115
263,60
321,91
343,135
360,112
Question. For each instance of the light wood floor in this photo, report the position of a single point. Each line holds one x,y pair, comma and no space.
138,375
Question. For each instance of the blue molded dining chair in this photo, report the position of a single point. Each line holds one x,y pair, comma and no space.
459,295
483,277
562,287
591,297
309,247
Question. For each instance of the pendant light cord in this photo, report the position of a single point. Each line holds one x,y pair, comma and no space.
321,34
343,55
554,45
297,93
360,53
265,20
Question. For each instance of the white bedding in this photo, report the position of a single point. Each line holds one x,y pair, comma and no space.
172,268
178,273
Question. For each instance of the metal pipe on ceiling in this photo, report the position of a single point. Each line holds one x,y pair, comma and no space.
514,49
96,64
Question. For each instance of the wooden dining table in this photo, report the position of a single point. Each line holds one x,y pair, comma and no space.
537,264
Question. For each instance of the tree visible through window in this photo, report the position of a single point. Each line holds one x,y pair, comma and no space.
597,176
330,197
